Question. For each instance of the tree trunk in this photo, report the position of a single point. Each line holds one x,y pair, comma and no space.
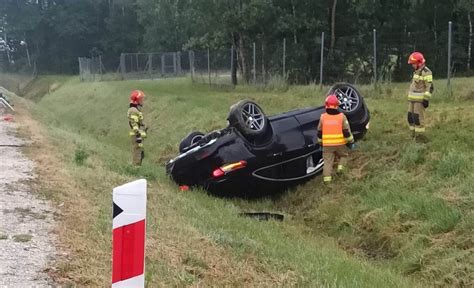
233,72
435,27
333,26
242,50
295,39
469,46
264,73
243,53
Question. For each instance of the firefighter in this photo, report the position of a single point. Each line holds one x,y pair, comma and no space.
137,126
334,134
419,94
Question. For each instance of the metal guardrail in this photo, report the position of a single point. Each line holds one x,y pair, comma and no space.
3,100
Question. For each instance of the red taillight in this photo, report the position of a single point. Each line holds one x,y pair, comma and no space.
218,173
184,187
221,171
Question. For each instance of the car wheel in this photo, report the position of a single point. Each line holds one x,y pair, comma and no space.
349,96
188,141
249,119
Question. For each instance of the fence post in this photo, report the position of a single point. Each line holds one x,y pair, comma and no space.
174,63
92,68
469,45
450,24
209,65
122,65
233,74
191,64
375,58
254,65
322,62
232,62
150,65
100,64
284,58
136,60
89,61
264,73
163,65
80,69
178,63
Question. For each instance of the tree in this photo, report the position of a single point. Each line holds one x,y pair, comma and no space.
58,31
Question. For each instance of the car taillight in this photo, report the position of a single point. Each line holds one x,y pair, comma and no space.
221,171
218,173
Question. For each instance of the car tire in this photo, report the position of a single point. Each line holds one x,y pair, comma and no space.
249,119
350,98
188,141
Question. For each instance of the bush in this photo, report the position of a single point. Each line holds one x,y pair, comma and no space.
80,156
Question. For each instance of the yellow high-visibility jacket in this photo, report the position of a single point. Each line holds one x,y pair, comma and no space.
421,85
135,120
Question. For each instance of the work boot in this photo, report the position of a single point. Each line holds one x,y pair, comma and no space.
340,169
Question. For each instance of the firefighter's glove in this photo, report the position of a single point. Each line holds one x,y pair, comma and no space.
426,103
351,146
140,145
143,134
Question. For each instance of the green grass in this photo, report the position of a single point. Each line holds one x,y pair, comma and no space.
14,82
22,237
401,216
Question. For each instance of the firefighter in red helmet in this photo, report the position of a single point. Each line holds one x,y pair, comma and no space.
334,134
137,126
419,94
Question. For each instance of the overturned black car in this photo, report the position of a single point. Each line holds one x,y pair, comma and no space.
257,154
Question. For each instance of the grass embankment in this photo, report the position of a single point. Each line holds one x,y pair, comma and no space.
404,209
14,82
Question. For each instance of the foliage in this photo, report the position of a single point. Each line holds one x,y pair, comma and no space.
59,31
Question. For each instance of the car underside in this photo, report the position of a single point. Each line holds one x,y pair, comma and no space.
257,154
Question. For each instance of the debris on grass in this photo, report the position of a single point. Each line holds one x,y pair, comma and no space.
22,238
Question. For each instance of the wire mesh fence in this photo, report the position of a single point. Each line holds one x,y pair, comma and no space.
90,69
16,73
154,65
213,66
135,66
370,57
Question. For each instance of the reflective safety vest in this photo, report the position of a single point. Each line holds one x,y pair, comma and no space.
332,129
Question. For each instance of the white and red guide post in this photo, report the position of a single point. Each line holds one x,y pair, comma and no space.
128,243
